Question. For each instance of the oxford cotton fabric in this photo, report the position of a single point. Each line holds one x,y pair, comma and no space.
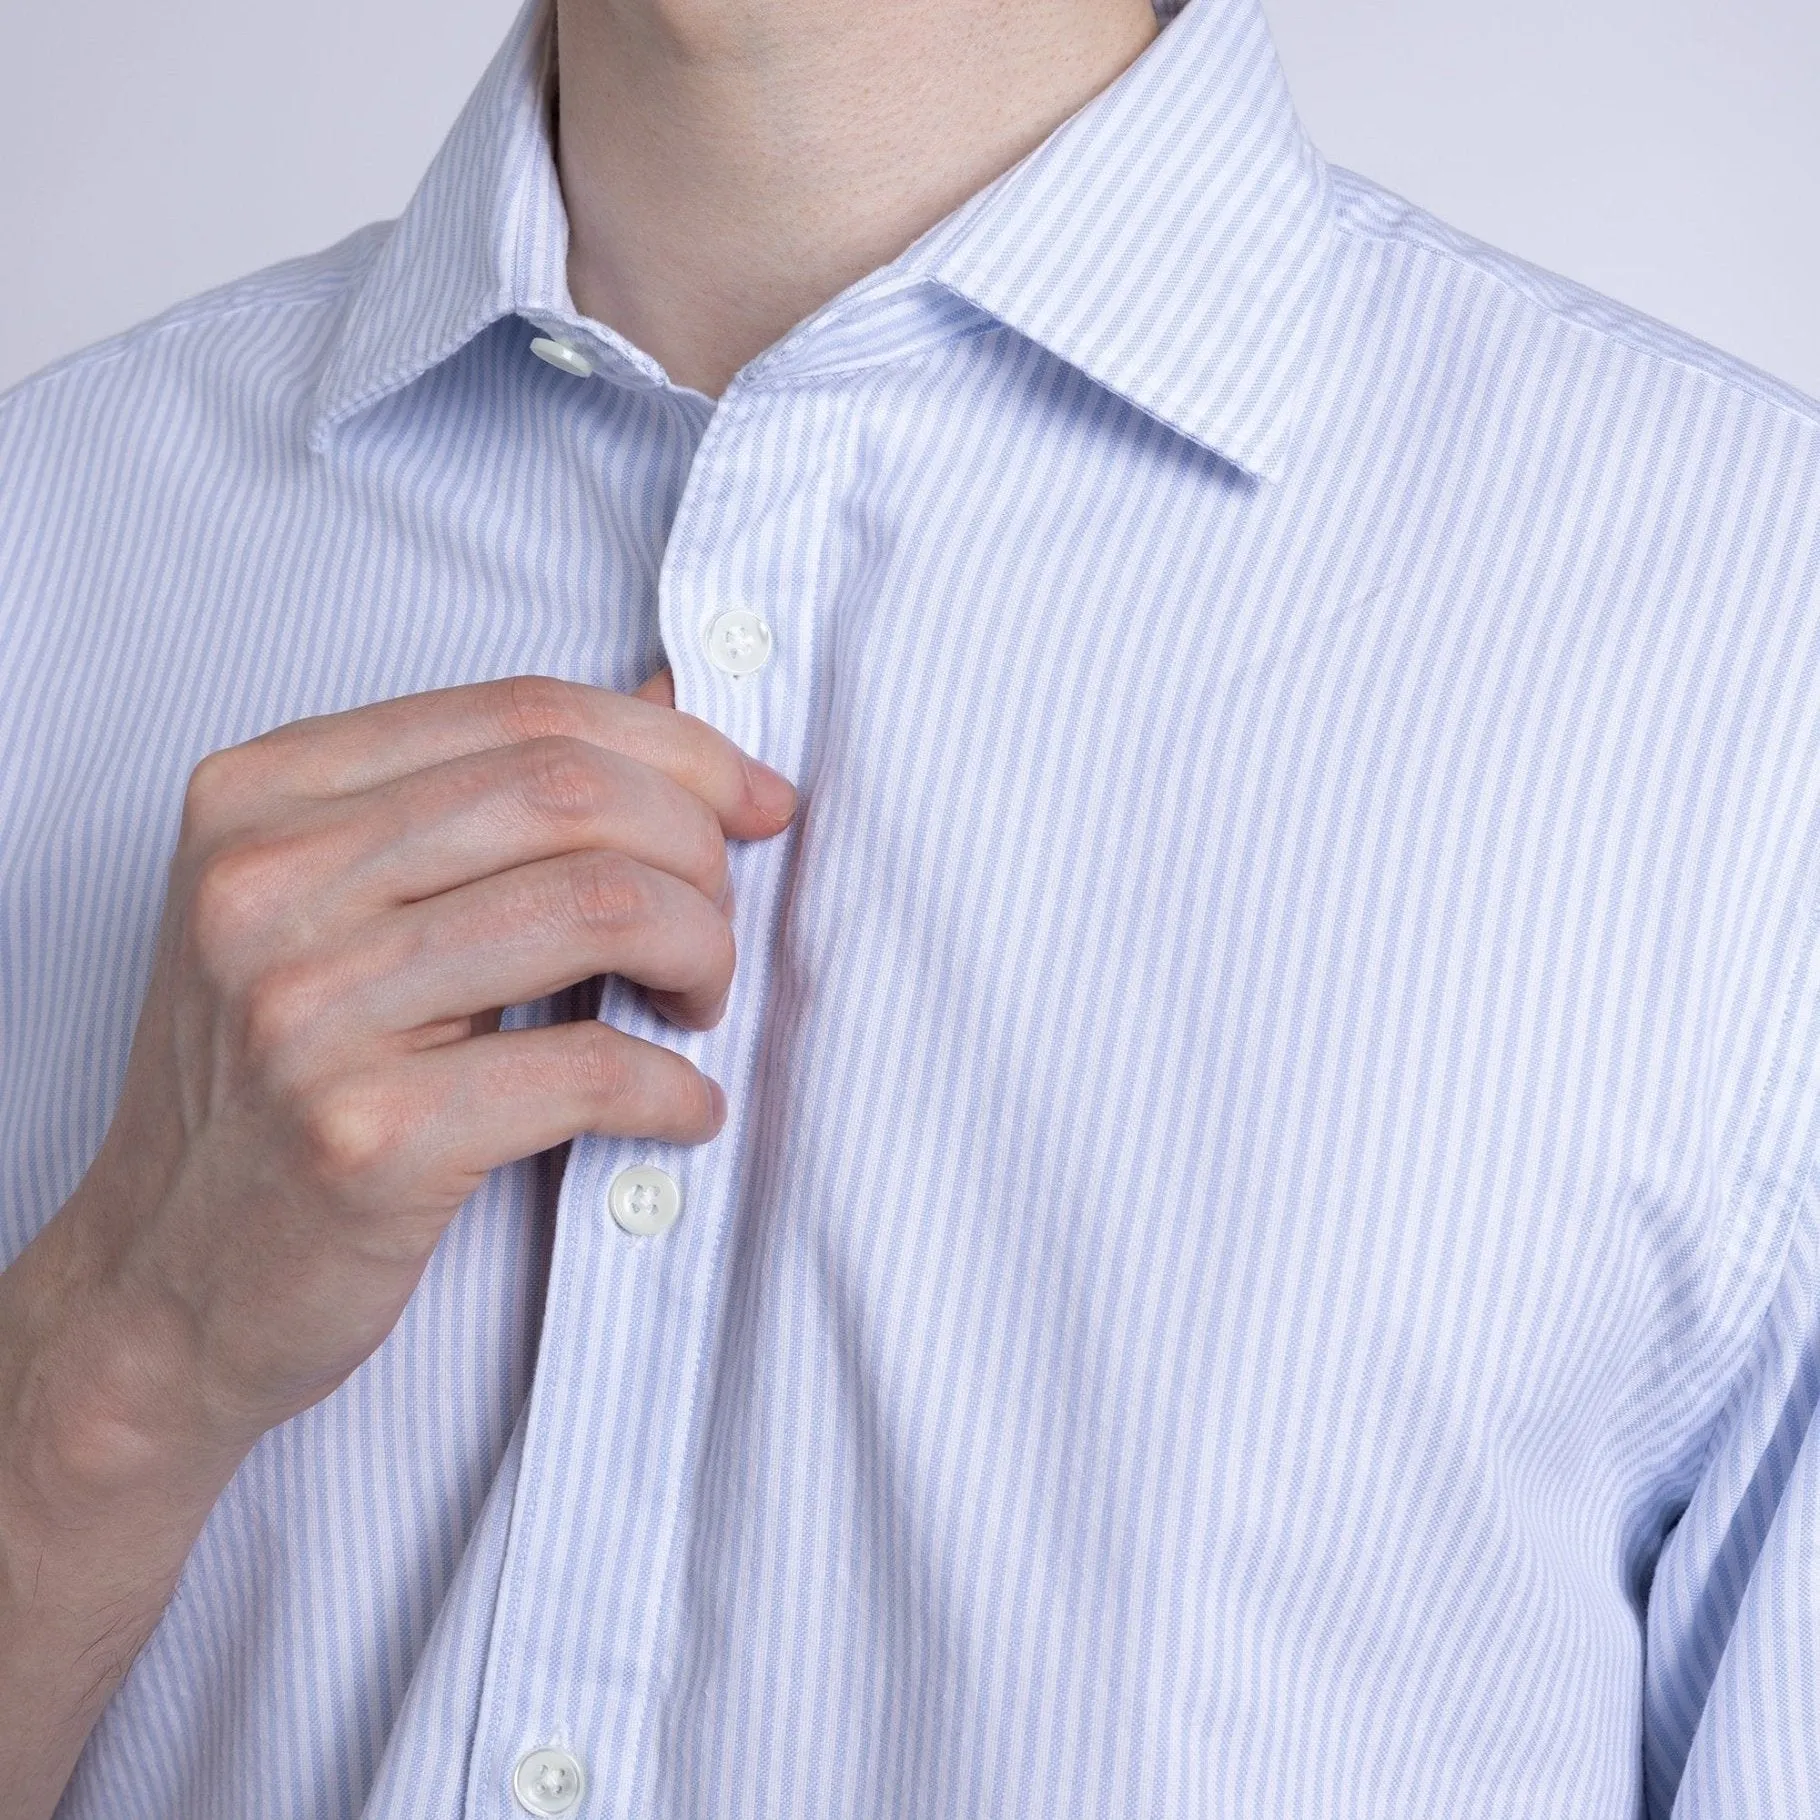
1264,1261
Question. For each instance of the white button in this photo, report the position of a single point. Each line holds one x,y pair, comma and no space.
739,642
563,355
547,1782
645,1201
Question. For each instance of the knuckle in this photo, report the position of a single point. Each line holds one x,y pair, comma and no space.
603,1071
212,784
605,892
560,780
234,892
279,1008
225,791
535,707
348,1128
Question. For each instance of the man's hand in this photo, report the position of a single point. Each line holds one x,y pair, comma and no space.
318,1080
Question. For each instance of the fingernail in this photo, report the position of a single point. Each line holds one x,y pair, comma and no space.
726,900
771,790
720,1102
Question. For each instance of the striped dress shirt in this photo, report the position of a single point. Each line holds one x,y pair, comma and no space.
1265,1260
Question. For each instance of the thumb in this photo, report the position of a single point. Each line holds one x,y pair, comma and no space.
658,688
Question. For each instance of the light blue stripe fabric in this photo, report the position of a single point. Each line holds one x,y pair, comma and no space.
1265,1261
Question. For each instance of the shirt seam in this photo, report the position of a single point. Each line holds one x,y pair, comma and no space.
1749,1347
185,315
806,379
1806,415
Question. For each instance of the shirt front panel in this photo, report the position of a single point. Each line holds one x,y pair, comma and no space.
200,586
1194,900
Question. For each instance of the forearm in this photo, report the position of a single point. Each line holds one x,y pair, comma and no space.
99,1506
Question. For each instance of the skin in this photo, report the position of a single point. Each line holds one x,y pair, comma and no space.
318,1079
730,165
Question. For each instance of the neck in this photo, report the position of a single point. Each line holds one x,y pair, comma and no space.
729,165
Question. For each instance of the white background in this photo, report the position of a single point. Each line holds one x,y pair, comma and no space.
1664,151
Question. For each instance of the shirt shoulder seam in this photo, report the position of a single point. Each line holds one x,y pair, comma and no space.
1415,227
203,311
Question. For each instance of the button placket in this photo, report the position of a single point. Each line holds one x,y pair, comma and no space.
637,1267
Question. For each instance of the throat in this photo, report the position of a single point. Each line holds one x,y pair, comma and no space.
730,165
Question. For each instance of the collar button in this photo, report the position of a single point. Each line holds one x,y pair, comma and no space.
564,356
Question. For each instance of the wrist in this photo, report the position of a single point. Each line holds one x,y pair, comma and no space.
97,1409
100,1503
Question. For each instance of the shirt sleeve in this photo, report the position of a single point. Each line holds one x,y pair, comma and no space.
1732,1663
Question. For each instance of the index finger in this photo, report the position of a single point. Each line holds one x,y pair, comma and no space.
357,749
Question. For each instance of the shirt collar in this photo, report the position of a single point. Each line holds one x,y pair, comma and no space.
1169,240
